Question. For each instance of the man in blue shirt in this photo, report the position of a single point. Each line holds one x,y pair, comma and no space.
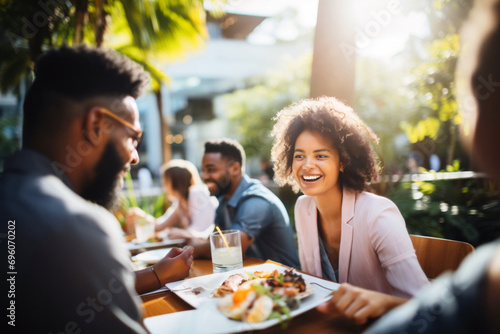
246,205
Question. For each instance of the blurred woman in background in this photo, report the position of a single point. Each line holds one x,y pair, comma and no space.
192,211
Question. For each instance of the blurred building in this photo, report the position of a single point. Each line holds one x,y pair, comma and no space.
10,122
244,43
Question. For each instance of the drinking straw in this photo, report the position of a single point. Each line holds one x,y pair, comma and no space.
222,235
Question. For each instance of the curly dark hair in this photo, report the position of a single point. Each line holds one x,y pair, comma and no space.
66,75
332,119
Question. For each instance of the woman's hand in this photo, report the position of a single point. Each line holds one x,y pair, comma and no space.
135,213
132,215
359,304
175,265
179,233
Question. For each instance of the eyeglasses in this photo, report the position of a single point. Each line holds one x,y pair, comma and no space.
137,138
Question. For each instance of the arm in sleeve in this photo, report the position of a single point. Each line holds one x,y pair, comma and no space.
453,303
202,210
253,215
95,266
171,218
396,254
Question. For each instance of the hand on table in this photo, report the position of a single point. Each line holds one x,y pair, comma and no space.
359,304
175,265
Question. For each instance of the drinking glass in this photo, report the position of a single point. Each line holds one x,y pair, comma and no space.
228,256
144,229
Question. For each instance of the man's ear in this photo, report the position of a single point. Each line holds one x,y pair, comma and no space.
235,168
93,126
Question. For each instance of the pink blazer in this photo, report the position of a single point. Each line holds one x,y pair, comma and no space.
376,252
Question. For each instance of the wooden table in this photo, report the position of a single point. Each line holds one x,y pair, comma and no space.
312,321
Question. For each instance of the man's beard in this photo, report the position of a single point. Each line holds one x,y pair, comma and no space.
223,185
105,188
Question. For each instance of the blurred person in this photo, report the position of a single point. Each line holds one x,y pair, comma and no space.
245,204
345,234
80,136
468,300
414,163
434,162
192,211
267,170
145,178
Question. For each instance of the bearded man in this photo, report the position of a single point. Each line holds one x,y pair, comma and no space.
70,267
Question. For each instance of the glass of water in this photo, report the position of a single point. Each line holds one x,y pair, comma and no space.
226,250
144,229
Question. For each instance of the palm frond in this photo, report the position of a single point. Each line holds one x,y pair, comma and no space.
168,28
157,75
12,69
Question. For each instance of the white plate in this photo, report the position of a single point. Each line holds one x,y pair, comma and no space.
133,245
206,318
152,256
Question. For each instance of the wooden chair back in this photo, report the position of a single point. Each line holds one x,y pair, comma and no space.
437,255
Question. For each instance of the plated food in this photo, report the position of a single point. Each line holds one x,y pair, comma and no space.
230,285
150,240
262,295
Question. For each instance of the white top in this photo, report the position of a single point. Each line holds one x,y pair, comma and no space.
202,209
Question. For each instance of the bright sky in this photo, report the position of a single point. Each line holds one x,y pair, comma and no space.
392,38
379,35
307,8
286,27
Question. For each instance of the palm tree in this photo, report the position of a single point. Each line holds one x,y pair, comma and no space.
149,32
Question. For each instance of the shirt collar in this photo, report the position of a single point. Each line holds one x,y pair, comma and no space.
238,193
31,161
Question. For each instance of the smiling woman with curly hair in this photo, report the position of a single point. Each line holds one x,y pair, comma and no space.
344,233
349,135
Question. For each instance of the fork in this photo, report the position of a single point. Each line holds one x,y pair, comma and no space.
195,289
324,287
182,289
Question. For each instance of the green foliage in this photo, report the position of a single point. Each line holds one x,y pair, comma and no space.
436,115
436,89
462,209
251,110
21,40
383,102
154,205
428,127
171,27
148,31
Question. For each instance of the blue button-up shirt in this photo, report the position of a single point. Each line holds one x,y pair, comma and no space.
258,212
